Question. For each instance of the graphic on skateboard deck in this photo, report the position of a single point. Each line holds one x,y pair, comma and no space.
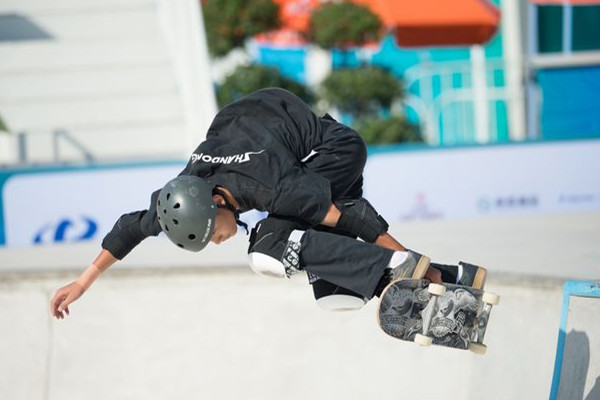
442,314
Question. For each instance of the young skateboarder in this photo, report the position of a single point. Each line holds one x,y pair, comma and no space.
270,152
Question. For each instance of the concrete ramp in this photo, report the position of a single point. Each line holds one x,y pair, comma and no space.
227,334
577,367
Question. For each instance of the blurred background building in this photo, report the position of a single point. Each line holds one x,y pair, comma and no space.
101,81
125,80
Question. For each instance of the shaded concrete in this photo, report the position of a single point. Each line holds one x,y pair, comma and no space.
580,372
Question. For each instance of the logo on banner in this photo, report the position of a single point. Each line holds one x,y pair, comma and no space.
421,210
67,230
578,199
509,203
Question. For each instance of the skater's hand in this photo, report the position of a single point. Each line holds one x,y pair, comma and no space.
434,275
59,306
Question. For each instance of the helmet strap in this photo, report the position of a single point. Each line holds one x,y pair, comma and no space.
230,207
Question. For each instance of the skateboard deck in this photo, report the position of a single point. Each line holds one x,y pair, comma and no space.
441,314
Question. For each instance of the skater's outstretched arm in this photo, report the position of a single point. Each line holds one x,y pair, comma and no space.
59,306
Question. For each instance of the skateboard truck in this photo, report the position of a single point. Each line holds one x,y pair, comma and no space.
436,291
489,300
426,313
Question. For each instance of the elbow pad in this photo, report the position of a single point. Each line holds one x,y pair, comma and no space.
125,235
359,218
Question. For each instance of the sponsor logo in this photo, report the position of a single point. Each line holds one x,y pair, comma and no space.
508,203
67,230
232,159
577,199
421,210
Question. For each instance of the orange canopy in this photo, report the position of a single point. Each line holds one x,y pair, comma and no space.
437,22
416,22
295,14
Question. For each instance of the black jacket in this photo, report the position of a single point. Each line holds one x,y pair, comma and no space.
254,148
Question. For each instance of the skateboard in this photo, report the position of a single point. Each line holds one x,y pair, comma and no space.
441,314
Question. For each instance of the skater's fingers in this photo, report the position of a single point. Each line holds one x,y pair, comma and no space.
64,297
56,301
64,305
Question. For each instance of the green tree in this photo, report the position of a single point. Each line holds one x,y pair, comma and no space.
342,25
3,126
366,93
229,23
395,129
361,91
247,79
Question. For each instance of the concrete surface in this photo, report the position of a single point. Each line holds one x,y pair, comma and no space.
229,334
201,326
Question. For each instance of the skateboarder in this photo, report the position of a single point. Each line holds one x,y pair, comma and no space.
270,152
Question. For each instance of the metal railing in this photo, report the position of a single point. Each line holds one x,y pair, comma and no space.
58,137
461,102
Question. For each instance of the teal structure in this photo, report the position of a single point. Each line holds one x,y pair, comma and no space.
570,289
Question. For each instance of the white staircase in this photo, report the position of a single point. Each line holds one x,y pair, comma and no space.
106,76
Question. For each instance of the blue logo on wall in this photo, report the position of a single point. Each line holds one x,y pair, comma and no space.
67,230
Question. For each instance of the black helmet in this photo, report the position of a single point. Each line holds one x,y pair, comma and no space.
186,212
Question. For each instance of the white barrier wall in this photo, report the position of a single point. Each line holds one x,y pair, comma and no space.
538,194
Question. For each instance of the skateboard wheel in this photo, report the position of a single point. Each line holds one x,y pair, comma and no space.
478,348
490,298
436,289
423,340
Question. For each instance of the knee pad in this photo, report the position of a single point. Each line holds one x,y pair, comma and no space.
359,218
341,302
265,265
275,248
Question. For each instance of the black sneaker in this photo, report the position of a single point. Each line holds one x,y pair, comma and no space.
472,275
385,280
414,267
449,272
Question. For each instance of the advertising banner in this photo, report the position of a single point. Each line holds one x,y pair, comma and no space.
80,205
481,181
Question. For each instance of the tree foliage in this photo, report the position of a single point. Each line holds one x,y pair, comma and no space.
365,93
344,24
247,79
361,91
229,23
3,126
395,129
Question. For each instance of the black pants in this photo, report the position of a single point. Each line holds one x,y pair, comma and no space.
337,264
